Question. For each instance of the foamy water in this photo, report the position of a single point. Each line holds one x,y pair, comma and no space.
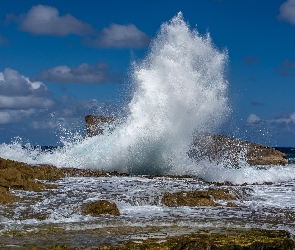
139,200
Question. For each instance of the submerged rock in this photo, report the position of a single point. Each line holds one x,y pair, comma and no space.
197,198
100,207
232,152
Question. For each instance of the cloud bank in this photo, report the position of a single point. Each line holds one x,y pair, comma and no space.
19,96
85,73
28,110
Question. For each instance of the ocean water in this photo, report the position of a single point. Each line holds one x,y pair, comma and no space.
180,90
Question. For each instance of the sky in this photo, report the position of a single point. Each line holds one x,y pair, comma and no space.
61,60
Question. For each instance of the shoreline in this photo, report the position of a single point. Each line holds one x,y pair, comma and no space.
36,179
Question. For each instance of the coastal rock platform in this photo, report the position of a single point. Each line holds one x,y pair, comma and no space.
154,238
40,184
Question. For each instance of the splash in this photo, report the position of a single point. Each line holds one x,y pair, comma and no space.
179,88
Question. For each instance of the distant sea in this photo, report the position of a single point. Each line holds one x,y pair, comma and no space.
289,151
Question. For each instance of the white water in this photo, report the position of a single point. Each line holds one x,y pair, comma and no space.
139,200
179,89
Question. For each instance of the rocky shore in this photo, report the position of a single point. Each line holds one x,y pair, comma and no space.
210,239
219,148
16,175
20,176
231,152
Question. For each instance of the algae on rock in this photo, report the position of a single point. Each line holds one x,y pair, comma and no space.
100,207
197,198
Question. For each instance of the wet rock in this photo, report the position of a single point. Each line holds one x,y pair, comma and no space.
101,207
231,152
197,198
18,175
6,197
253,239
94,124
139,239
218,148
76,172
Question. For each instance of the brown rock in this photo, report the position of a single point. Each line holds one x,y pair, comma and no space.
6,197
100,207
18,175
231,151
196,198
234,239
94,124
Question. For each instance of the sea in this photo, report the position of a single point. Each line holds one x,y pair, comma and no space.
179,90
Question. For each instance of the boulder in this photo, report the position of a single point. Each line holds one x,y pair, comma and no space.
100,207
197,198
232,152
95,124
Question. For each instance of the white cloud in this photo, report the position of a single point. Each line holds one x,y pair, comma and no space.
46,20
85,73
18,92
24,102
253,119
292,117
287,11
14,116
120,36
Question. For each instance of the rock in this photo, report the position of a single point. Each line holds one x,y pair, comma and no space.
219,148
100,207
234,239
231,152
77,172
18,175
197,198
94,124
6,197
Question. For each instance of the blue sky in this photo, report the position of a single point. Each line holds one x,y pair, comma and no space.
61,60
